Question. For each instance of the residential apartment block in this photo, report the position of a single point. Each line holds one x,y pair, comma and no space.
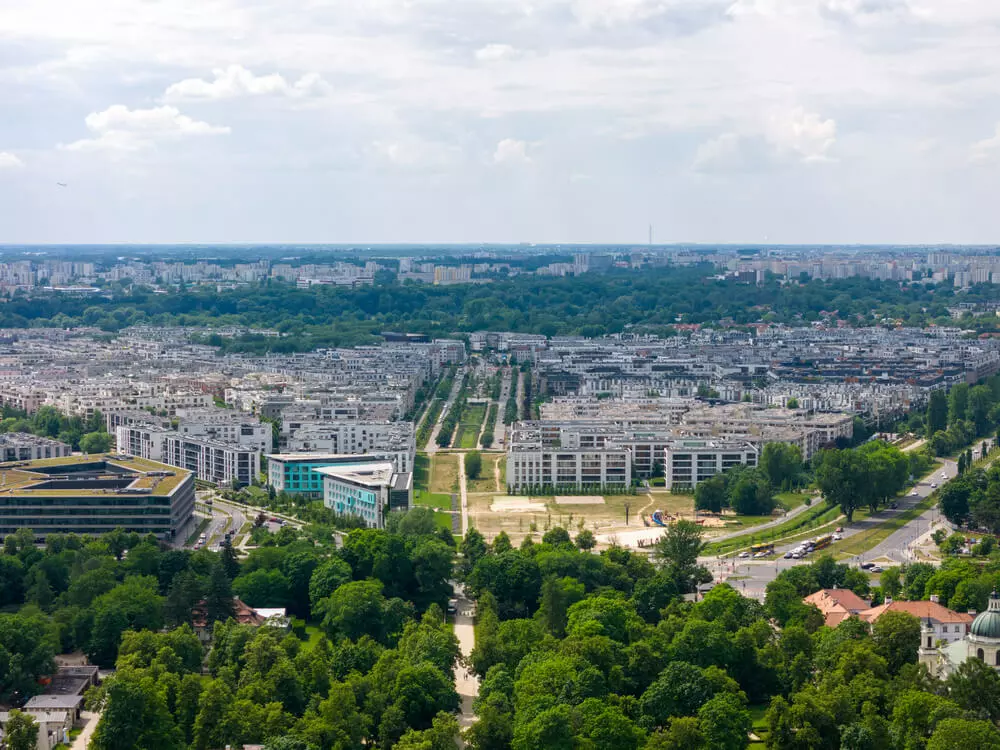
23,446
688,462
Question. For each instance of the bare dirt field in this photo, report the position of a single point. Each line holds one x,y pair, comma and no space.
514,516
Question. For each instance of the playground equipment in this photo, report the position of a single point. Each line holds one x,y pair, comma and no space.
657,518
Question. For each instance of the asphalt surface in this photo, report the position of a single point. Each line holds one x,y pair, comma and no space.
752,576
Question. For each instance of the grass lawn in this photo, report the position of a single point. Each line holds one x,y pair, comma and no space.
444,473
757,714
487,477
443,520
432,499
467,435
421,471
791,500
314,634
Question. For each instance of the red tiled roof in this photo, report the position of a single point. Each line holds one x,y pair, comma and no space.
922,610
836,604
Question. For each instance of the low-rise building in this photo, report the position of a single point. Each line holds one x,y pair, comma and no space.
836,605
945,625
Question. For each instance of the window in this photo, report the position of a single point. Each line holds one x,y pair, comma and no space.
979,655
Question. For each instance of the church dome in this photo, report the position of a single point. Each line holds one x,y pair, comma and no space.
987,624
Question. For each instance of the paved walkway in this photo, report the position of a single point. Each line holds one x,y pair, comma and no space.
83,739
769,524
466,683
499,427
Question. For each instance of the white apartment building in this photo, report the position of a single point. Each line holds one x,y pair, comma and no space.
210,460
23,446
688,462
226,426
352,437
568,468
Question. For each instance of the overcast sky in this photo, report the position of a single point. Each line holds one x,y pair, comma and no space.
500,120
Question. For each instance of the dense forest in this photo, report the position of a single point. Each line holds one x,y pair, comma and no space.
591,305
576,650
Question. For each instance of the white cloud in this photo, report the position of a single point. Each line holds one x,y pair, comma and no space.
9,161
236,81
787,136
496,52
729,152
803,134
119,128
414,153
987,149
511,151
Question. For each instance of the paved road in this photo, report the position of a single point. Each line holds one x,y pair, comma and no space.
776,522
499,428
432,446
752,576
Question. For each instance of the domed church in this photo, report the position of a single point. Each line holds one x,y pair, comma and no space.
982,642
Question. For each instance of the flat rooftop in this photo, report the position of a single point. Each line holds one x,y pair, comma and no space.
369,474
96,474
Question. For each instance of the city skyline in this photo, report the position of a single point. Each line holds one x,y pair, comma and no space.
758,121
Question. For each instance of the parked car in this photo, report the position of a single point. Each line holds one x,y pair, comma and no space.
837,537
788,555
839,529
796,555
914,494
452,606
867,565
876,569
744,555
933,486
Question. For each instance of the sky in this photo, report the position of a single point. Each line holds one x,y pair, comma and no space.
367,121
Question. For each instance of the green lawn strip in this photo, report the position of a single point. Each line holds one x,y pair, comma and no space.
818,515
468,428
421,472
432,499
758,717
443,520
791,500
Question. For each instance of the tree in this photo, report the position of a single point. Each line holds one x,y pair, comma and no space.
331,574
792,403
937,412
781,463
473,464
132,605
725,722
135,715
958,403
219,603
962,734
710,494
230,561
20,731
95,442
680,690
677,553
586,540
684,733
842,478
897,638
975,687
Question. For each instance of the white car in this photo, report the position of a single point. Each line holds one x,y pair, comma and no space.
914,494
796,555
744,555
837,537
933,486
